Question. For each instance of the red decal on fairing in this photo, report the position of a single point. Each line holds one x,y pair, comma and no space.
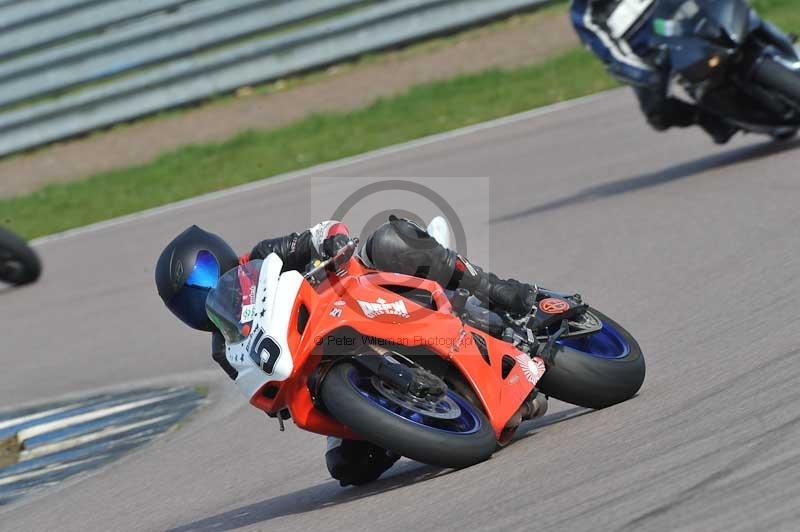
553,305
248,287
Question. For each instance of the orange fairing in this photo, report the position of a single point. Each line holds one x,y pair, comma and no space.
362,302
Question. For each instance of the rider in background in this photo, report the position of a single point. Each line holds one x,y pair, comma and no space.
190,266
619,32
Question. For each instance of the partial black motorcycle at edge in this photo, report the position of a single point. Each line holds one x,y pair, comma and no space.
731,62
19,264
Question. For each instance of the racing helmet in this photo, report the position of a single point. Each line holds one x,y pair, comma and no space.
187,270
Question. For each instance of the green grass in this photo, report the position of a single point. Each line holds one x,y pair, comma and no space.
194,170
784,13
424,110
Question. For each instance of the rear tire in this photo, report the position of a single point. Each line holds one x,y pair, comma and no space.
18,262
401,435
594,382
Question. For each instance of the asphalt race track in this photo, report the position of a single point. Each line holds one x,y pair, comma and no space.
694,248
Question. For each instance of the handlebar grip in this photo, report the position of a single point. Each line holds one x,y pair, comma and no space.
349,248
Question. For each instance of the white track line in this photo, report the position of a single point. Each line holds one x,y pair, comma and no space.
58,424
38,415
41,472
87,438
248,187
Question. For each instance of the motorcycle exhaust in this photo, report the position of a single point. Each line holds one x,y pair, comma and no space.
533,407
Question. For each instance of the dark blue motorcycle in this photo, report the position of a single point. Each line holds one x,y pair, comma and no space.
730,62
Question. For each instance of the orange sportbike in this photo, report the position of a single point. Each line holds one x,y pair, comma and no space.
396,360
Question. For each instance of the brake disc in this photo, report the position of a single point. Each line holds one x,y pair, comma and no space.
442,407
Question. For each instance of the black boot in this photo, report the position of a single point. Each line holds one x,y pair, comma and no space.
355,463
508,295
718,129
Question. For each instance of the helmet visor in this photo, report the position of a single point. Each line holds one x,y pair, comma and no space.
189,303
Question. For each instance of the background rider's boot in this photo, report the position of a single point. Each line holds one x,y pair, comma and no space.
718,129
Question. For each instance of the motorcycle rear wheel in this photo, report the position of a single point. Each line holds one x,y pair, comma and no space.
348,395
595,371
19,264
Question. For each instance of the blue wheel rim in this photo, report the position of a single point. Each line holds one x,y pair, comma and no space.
467,423
606,343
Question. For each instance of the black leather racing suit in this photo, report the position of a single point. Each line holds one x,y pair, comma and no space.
398,246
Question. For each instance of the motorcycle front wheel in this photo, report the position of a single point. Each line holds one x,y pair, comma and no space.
447,432
595,371
18,262
779,76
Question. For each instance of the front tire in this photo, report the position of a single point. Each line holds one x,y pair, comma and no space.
596,372
18,263
348,396
775,75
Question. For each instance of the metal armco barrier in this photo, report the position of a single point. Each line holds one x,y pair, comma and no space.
71,66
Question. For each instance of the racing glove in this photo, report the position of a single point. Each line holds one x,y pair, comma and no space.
332,245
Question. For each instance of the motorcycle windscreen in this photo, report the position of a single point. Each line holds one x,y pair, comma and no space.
675,18
721,22
733,16
231,305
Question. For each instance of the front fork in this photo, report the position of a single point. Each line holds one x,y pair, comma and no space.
773,35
